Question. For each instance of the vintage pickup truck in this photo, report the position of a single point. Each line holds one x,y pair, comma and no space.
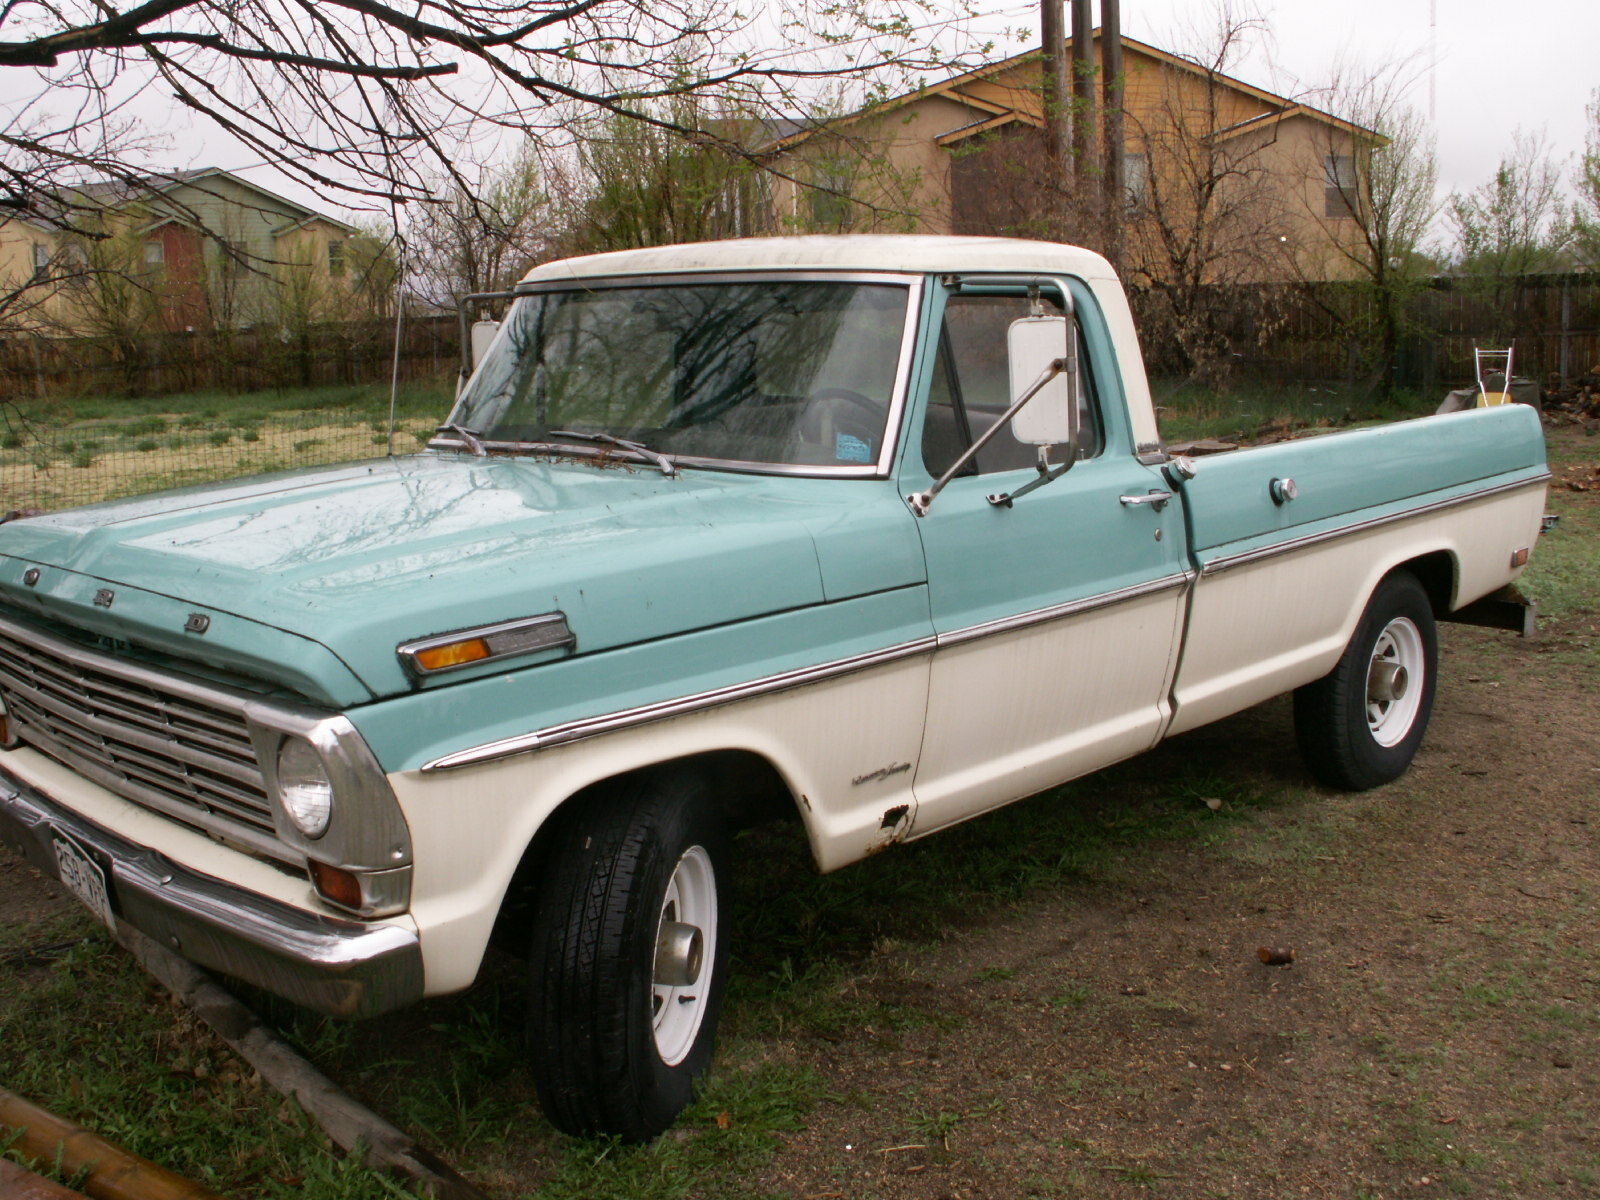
878,533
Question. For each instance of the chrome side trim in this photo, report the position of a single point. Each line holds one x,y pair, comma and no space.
347,968
587,727
1228,562
1071,608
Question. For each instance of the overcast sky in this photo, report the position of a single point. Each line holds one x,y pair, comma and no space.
1500,66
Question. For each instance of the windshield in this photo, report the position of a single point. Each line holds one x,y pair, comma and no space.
766,372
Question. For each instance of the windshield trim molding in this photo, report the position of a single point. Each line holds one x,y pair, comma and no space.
915,284
554,451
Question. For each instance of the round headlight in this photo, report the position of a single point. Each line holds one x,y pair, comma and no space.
304,787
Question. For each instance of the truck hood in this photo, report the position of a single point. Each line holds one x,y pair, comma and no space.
311,579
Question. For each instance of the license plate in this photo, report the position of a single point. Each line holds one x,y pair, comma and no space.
84,878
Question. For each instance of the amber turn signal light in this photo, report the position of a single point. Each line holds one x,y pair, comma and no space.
336,885
481,643
452,654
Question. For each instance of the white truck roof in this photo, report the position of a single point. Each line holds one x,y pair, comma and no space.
859,252
895,252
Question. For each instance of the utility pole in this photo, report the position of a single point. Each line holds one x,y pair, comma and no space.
1083,147
1114,204
1053,86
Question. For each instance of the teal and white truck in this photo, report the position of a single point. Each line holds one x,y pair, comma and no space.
875,533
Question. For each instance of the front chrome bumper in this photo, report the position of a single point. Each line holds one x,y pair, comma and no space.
347,968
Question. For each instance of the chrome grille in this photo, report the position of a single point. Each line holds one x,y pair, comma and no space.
177,748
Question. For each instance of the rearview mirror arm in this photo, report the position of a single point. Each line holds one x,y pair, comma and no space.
921,501
1047,474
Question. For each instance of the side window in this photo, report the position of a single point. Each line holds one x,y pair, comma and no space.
971,388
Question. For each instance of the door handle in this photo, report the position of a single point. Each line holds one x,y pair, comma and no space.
1156,499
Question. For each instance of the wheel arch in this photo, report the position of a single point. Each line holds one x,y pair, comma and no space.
749,788
1439,573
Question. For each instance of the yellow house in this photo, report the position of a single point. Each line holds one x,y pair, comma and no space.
1214,168
183,250
27,249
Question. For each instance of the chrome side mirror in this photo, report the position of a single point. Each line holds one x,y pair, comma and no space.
1043,348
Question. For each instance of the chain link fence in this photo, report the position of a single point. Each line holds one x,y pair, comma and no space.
1282,346
94,418
43,468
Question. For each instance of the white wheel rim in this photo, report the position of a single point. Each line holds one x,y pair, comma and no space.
676,1013
1397,651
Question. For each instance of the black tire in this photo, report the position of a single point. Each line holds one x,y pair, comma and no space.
1354,733
596,1048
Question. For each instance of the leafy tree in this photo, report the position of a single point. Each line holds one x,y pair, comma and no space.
376,104
647,185
480,237
372,270
1373,214
1586,181
1515,223
114,295
643,184
1202,215
1512,226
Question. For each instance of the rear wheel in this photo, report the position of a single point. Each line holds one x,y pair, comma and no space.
629,957
1360,725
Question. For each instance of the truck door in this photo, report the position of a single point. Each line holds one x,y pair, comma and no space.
1058,617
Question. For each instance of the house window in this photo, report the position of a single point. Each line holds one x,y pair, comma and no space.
1136,180
1339,196
41,258
154,254
335,258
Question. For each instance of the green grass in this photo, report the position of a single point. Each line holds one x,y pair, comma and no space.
1186,412
1563,575
90,1040
197,438
415,399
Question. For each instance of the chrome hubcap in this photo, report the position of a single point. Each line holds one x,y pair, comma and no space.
1397,664
686,941
680,949
1387,682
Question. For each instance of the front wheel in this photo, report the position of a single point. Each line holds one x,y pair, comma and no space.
629,957
1360,725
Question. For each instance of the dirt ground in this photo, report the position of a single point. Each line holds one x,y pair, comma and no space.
1437,1033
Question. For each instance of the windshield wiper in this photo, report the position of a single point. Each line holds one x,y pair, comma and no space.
473,441
660,460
